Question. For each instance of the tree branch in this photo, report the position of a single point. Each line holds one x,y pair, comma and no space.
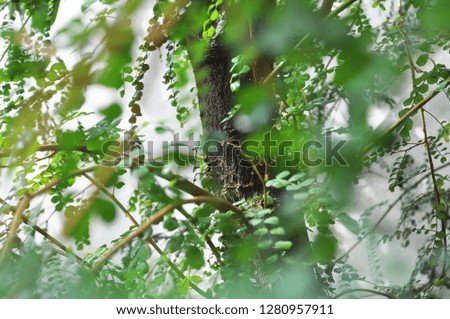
149,239
48,148
326,6
137,233
45,234
17,219
157,217
437,195
181,182
341,8
371,291
18,216
112,197
134,221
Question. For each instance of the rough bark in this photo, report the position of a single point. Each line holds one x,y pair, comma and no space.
228,166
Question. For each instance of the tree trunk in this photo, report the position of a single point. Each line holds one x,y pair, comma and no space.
234,175
236,179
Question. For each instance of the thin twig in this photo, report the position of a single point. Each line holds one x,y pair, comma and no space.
266,179
180,182
45,234
137,233
176,269
437,120
112,197
218,202
437,195
371,291
261,180
409,148
326,6
414,109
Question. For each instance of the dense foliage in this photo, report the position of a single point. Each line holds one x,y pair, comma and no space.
301,80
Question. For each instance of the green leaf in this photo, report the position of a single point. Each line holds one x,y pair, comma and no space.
296,177
127,70
195,279
119,185
143,254
265,244
175,243
263,212
301,196
39,16
58,66
279,231
105,209
293,187
255,221
81,231
283,245
405,129
261,231
324,247
70,140
194,257
210,32
214,15
52,76
437,282
226,215
273,220
160,130
422,60
54,7
170,223
184,286
276,183
306,182
282,175
112,111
